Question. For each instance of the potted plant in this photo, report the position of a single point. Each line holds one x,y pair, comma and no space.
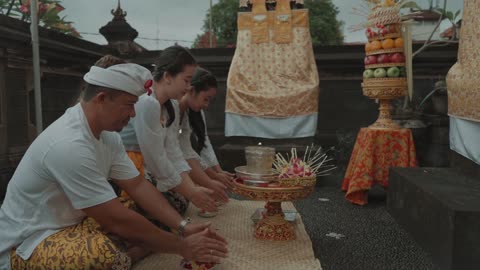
439,98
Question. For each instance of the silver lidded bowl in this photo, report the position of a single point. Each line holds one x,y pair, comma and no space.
259,159
245,175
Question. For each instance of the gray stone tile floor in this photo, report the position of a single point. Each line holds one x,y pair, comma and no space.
372,239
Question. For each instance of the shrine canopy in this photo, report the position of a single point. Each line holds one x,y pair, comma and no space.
273,84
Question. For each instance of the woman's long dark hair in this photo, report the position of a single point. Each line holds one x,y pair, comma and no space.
202,80
172,60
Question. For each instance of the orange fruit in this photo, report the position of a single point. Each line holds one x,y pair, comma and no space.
375,45
388,43
388,3
368,47
399,43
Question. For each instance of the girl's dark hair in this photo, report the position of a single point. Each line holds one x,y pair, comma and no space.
172,60
202,80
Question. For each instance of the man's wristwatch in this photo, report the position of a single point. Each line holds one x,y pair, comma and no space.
181,227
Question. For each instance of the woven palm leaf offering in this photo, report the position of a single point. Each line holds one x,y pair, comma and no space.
188,265
294,171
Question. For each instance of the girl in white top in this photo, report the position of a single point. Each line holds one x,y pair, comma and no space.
152,145
193,138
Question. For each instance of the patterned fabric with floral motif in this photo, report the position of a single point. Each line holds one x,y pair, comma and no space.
462,80
83,246
274,80
375,151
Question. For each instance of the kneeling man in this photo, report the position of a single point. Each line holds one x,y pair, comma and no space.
60,212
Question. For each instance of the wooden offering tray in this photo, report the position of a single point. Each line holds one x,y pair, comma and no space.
273,226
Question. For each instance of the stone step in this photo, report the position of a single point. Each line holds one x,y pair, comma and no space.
440,208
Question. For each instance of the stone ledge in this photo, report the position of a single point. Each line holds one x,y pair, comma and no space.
440,208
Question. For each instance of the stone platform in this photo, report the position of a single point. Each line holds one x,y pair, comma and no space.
440,208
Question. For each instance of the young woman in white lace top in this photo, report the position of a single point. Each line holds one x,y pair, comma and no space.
151,142
193,137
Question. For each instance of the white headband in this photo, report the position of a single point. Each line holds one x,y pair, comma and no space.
131,78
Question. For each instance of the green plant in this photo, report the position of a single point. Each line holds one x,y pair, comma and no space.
439,88
325,29
48,14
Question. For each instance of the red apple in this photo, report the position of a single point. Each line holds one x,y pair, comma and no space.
368,33
383,58
392,28
370,60
397,58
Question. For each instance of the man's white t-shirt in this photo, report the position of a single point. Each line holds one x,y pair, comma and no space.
63,171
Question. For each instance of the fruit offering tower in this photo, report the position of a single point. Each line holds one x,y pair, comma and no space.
384,77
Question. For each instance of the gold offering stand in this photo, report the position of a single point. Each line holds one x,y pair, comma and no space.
273,225
384,89
387,88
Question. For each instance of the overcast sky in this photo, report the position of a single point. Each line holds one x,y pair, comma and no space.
179,20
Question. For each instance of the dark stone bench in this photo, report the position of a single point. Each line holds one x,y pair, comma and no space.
440,208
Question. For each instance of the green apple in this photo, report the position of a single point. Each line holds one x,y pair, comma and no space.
368,73
393,72
403,72
380,73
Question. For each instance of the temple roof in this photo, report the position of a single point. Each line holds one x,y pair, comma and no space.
120,34
118,29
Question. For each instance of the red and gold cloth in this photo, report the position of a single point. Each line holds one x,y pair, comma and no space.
375,151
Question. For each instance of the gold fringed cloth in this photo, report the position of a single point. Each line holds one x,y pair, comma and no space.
273,79
463,80
463,83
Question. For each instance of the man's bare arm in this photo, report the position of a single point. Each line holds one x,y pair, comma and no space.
115,218
150,199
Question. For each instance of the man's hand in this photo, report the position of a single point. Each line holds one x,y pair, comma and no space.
192,228
205,246
225,178
202,198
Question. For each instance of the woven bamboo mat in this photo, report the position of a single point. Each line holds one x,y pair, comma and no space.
245,252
